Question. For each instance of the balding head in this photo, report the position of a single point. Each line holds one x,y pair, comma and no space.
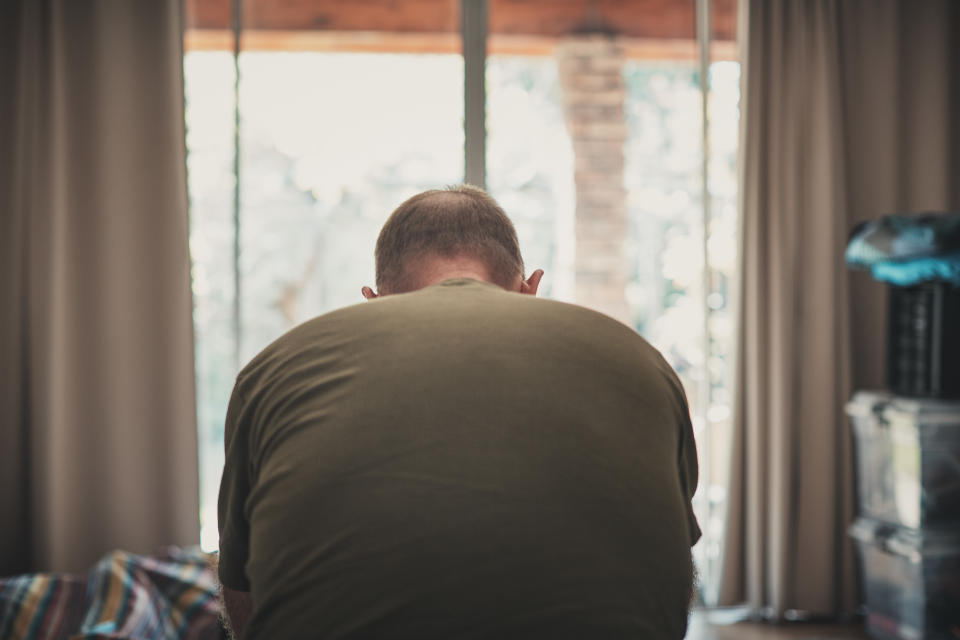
457,224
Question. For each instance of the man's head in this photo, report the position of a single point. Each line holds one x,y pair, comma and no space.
455,232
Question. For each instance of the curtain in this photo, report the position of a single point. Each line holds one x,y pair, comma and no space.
846,112
98,441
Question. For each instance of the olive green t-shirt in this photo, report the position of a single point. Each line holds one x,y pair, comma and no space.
459,462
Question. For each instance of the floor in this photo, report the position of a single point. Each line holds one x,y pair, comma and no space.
703,629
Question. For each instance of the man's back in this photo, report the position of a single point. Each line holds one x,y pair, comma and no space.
460,462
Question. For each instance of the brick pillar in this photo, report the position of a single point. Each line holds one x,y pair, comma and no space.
591,76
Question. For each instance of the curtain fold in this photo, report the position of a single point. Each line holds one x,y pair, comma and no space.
98,447
846,116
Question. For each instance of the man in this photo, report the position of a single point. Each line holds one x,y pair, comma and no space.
456,459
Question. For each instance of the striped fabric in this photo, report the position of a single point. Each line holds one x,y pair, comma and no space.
170,595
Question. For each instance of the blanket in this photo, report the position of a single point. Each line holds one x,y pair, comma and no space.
171,594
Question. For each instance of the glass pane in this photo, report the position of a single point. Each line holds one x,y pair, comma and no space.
724,116
209,95
595,147
337,126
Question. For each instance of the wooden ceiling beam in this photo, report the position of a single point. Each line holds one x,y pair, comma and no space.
632,19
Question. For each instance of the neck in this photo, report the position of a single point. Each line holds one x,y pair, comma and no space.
436,269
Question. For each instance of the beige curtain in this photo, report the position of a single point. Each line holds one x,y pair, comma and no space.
849,112
98,447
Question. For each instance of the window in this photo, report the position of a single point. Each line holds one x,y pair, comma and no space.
308,123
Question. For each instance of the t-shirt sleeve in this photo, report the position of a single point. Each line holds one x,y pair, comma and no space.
689,472
687,466
234,490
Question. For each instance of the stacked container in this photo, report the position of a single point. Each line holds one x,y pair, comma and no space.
908,529
907,442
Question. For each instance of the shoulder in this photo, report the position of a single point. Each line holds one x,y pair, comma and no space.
618,342
320,333
601,328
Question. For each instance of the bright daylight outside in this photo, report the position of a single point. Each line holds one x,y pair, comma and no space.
330,142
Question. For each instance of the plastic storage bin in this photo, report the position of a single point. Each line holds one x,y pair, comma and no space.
923,340
910,580
907,460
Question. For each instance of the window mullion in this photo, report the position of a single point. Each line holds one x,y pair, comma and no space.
473,32
237,25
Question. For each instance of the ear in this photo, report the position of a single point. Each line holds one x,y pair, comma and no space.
530,285
368,293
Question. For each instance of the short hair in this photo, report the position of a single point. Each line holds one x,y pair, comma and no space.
458,220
